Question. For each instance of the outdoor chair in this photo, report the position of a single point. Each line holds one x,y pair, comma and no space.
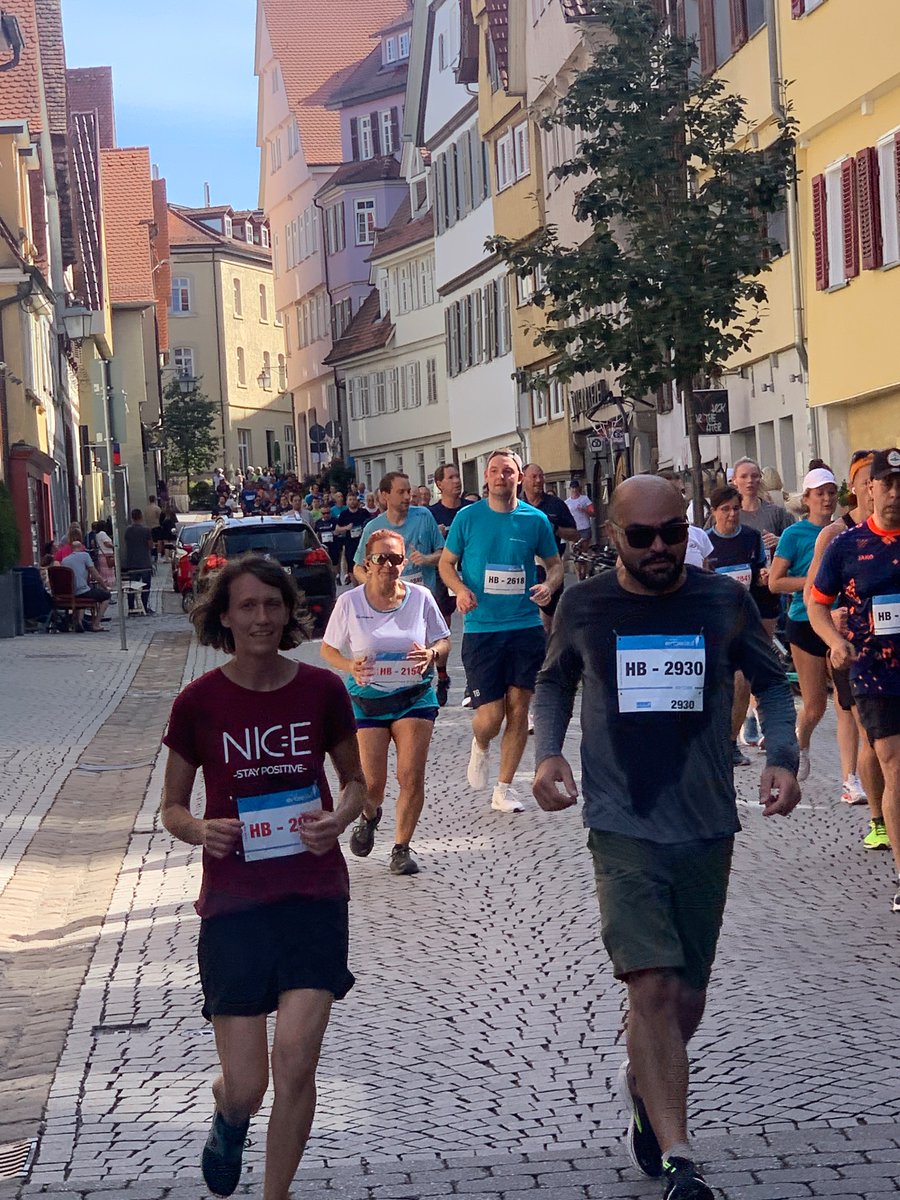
62,590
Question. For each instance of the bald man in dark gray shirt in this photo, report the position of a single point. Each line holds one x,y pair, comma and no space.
656,645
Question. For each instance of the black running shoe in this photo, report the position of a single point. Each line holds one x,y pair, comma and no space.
684,1181
362,839
402,862
443,689
640,1138
223,1155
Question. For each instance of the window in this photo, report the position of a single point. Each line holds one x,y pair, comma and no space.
387,133
420,467
379,393
800,7
505,161
181,295
241,367
392,398
882,237
183,362
275,154
557,399
364,213
426,281
524,289
412,389
245,449
389,47
504,332
267,371
359,396
263,303
403,45
756,15
263,235
290,448
521,154
340,318
834,227
431,388
228,226
493,66
293,139
366,143
335,235
236,287
539,406
282,373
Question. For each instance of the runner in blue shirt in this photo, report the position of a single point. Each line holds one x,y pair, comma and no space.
489,562
415,525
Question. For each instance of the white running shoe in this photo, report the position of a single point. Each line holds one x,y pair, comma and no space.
803,769
854,792
506,800
477,771
530,721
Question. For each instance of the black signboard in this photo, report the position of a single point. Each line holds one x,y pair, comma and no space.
711,411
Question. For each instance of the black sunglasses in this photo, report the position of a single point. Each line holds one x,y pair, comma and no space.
380,559
642,537
858,454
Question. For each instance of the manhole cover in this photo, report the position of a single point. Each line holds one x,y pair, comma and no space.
15,1159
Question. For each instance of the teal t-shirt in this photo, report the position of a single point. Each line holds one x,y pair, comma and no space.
497,551
797,544
420,532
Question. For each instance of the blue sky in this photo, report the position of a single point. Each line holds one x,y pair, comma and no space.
184,86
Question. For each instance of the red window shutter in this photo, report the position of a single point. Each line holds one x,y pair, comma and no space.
867,192
738,23
798,8
820,234
707,38
850,218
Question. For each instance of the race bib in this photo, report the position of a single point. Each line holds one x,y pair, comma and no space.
502,580
356,531
413,577
742,574
661,673
326,538
886,615
272,823
394,671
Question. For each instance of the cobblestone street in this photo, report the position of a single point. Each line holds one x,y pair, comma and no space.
477,1052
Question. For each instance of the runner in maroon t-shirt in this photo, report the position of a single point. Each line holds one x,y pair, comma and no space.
273,897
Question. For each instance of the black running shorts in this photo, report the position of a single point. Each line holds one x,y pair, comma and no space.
879,716
248,958
496,662
802,635
661,906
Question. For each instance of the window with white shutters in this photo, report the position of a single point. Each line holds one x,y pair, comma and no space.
380,393
521,152
885,175
505,161
392,400
431,388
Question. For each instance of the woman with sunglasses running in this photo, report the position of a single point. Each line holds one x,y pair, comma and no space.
790,564
386,636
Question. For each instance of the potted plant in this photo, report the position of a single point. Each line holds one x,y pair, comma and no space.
10,582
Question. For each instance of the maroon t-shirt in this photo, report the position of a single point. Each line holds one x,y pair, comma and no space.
250,743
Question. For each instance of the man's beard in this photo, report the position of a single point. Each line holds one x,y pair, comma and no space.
656,581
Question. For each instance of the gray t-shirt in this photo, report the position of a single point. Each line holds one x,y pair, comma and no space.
138,541
80,562
663,771
769,518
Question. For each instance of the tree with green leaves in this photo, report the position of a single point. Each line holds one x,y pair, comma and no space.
666,286
186,432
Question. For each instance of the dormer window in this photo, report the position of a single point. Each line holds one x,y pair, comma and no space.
389,50
403,45
228,225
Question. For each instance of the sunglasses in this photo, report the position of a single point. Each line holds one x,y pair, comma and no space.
379,560
642,537
858,454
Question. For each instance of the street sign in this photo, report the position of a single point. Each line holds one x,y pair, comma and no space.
711,411
317,443
596,444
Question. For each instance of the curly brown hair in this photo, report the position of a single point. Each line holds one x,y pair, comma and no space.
206,615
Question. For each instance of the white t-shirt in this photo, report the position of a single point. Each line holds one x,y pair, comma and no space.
356,626
578,506
699,546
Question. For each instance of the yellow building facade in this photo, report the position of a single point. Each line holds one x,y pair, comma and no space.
225,333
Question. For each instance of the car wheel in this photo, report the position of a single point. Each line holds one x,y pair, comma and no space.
187,599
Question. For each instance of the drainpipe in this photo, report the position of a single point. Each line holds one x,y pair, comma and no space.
793,219
215,283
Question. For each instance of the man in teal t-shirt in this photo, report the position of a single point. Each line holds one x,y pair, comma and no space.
489,563
416,526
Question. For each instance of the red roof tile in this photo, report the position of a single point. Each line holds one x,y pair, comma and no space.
20,99
368,79
127,200
367,331
313,40
402,232
366,170
186,230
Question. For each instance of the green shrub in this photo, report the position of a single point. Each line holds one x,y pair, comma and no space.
201,494
10,545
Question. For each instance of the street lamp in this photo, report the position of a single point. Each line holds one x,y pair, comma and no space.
79,323
264,379
187,384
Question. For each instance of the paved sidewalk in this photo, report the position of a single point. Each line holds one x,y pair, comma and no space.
477,1051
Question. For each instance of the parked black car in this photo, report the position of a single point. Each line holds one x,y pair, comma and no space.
290,541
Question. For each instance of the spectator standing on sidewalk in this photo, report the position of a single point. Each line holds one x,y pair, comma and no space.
138,565
274,889
656,647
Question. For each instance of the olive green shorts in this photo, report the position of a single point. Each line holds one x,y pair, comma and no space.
661,906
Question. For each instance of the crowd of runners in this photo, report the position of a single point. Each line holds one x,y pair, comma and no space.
675,649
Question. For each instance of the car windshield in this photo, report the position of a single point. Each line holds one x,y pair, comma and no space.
193,535
291,540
